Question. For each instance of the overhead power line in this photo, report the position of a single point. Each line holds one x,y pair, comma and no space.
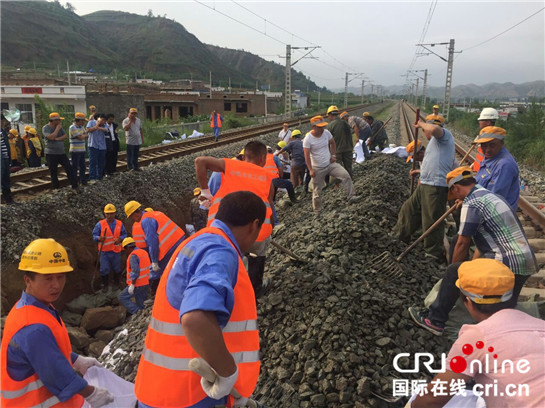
503,32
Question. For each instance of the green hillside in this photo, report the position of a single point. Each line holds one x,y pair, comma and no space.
45,35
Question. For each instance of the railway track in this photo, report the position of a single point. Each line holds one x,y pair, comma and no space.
34,181
531,217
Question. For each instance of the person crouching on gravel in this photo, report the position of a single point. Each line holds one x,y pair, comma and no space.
138,273
487,219
319,147
501,334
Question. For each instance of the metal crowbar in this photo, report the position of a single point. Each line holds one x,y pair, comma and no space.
200,367
288,252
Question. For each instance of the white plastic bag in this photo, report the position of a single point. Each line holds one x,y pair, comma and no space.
358,148
122,390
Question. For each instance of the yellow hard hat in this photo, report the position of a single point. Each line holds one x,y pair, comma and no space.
149,209
282,144
14,132
435,106
32,131
241,153
27,127
196,191
296,132
131,207
333,110
109,208
45,256
366,114
127,241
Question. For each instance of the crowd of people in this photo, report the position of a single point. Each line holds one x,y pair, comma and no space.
205,297
96,137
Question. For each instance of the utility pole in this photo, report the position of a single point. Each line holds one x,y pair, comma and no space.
362,85
372,91
58,71
424,88
416,91
210,72
319,99
448,84
68,72
289,64
346,81
450,62
287,89
229,84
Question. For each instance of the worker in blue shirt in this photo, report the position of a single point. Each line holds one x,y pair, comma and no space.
138,273
499,171
200,287
109,233
36,351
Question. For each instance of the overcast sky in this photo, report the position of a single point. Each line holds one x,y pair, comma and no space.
374,38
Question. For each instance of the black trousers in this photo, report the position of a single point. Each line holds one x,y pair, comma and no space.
53,160
449,293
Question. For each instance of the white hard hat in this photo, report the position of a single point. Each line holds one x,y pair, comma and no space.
489,114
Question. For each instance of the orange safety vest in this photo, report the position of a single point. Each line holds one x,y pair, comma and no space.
244,176
163,378
31,391
169,232
271,166
144,262
479,157
109,244
13,148
218,120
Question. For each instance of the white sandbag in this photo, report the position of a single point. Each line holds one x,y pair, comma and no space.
360,157
122,390
398,151
183,137
195,134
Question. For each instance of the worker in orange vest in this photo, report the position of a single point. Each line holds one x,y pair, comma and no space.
235,175
109,233
215,123
158,234
138,272
37,362
202,309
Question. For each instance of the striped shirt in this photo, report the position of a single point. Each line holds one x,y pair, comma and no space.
5,147
77,145
496,230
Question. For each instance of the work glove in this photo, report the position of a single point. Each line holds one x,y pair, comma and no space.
205,198
83,363
240,402
131,289
100,397
155,267
221,387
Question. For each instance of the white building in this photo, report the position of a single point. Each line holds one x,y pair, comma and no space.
69,99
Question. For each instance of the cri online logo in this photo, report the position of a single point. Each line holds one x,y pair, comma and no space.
459,364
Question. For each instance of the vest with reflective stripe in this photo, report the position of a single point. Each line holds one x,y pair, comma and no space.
218,120
109,243
144,262
163,378
31,392
168,231
479,157
271,166
244,176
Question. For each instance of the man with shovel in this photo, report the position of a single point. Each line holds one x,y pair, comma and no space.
429,199
205,307
489,221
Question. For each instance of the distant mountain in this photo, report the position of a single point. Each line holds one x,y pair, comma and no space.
46,35
266,72
492,91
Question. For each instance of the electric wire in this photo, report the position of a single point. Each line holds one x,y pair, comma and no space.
503,32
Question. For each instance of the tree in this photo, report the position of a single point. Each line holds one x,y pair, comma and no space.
70,7
150,13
